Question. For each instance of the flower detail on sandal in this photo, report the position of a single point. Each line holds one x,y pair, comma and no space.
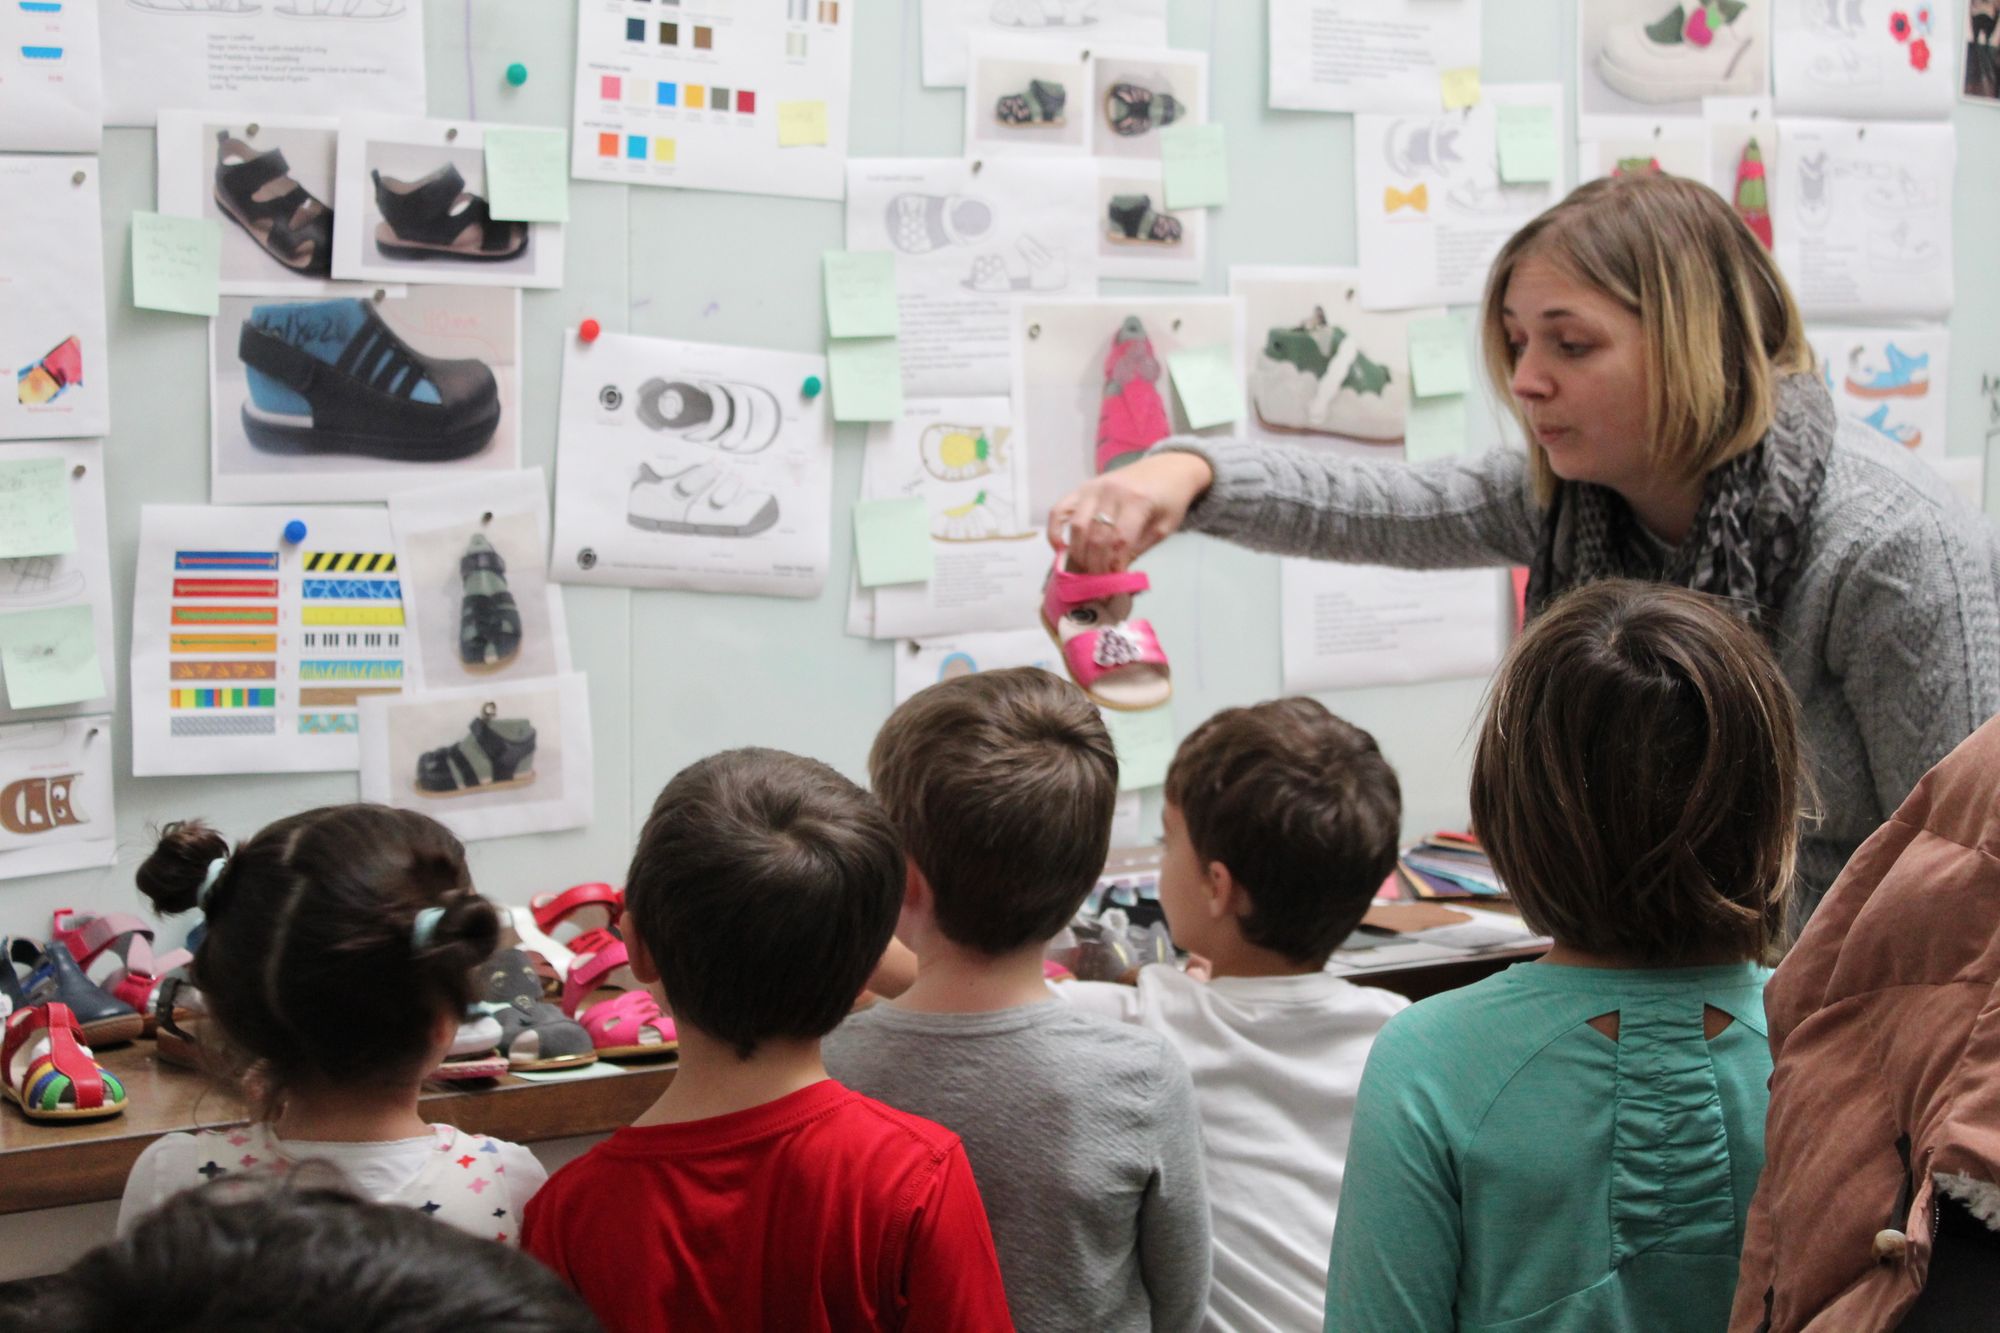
1116,648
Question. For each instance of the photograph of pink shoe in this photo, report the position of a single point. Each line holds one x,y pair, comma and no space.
1131,418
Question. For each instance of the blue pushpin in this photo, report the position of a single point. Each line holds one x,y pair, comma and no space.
811,387
517,74
295,532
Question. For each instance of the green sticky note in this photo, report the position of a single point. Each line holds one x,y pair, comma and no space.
867,378
50,657
892,541
1435,428
1527,140
1459,87
1437,356
527,174
34,508
176,263
801,124
861,294
1195,163
1144,742
1205,378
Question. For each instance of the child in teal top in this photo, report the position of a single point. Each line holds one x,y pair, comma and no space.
1572,1144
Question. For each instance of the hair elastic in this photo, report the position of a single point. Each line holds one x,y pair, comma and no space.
423,927
215,869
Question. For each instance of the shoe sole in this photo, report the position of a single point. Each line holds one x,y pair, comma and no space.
1901,391
112,1031
418,250
700,529
65,1113
461,443
558,1062
1638,88
484,786
1387,441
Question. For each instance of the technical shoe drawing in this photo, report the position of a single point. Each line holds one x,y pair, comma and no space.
729,415
1425,147
1815,205
699,500
1899,248
921,223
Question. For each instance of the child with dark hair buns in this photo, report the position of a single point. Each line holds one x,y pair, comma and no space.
337,963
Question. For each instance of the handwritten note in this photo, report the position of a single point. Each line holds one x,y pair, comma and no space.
892,541
1194,160
1527,142
176,263
861,294
1205,378
1435,428
1437,356
49,657
1460,87
801,124
34,508
527,174
1144,743
867,378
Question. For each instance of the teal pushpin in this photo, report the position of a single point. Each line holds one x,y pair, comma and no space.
811,387
517,74
295,532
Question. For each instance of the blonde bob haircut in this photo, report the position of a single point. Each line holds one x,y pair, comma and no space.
1721,326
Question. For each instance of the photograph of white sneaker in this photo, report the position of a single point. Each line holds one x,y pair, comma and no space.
1661,57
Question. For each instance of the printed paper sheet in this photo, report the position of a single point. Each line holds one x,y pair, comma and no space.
314,57
1867,58
251,654
1368,55
690,465
925,662
1892,381
51,87
1432,207
745,97
949,23
79,578
55,796
969,243
1350,626
52,330
1079,98
1863,218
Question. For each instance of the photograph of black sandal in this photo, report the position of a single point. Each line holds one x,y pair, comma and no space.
257,192
436,218
494,754
489,623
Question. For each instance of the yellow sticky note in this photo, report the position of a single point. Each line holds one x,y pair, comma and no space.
1435,428
867,378
176,264
527,174
1144,743
1205,378
1460,86
1437,356
801,124
34,508
892,542
49,657
1194,165
861,293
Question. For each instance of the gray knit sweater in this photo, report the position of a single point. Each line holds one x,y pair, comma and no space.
1890,638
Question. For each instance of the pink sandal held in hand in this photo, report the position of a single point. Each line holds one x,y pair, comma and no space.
1118,661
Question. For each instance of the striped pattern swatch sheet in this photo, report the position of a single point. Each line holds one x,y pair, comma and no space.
251,654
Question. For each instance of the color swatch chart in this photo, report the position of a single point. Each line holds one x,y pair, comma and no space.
713,94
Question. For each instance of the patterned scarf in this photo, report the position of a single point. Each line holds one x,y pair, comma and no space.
1749,534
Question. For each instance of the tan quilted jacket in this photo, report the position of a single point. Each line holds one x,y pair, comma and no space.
1885,1037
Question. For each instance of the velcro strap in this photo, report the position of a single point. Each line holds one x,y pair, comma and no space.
1070,589
606,953
277,358
476,561
436,198
253,174
550,909
86,1081
462,767
489,740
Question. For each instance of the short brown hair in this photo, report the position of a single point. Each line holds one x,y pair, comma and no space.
1721,326
1637,780
765,887
1002,785
1303,810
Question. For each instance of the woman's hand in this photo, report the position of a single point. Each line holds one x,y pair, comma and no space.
1114,519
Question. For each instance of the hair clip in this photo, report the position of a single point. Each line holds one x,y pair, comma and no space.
215,869
423,927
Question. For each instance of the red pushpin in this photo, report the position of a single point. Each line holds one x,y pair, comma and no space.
588,330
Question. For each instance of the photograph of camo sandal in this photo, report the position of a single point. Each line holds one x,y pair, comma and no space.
623,1019
32,974
534,1034
699,500
45,380
435,218
1117,660
1133,109
333,377
1040,107
1131,219
497,753
475,1051
257,191
1131,416
734,417
489,624
116,952
577,910
49,1070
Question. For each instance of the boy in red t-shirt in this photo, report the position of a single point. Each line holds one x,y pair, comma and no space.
757,1192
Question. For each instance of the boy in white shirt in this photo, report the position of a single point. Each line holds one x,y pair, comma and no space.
1281,823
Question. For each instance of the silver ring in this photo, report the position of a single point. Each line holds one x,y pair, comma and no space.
1105,519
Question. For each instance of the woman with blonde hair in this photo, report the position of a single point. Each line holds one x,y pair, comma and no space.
1677,433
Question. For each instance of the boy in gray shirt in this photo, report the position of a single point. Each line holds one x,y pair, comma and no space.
1082,1134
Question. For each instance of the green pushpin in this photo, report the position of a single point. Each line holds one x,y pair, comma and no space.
811,387
517,73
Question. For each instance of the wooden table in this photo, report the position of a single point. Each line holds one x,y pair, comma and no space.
49,1165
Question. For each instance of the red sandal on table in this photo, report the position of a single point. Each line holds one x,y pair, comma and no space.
625,1025
553,910
50,1073
1117,660
115,950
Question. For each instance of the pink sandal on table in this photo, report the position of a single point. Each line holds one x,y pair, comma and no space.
1118,661
115,950
627,1025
